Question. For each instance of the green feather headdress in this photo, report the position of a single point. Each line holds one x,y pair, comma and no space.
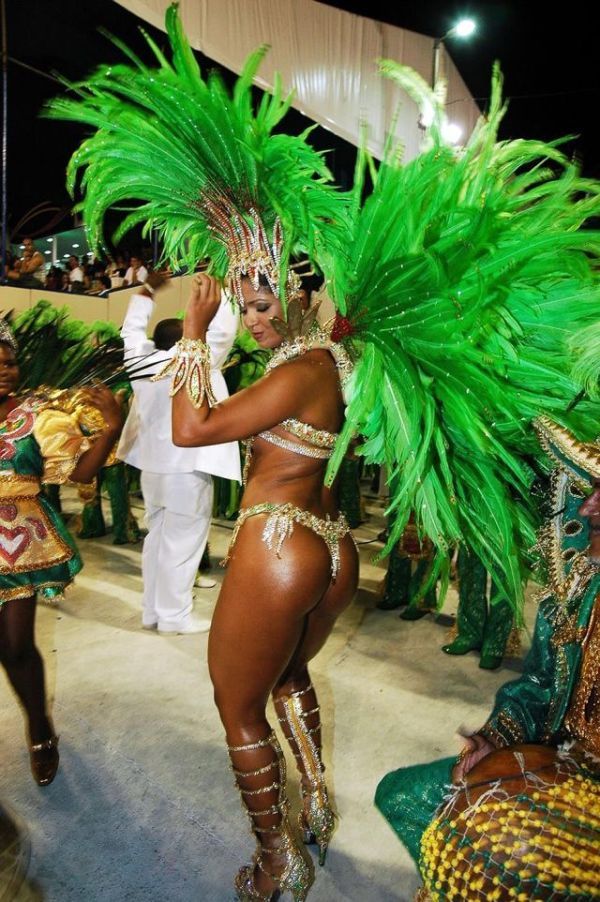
199,164
466,273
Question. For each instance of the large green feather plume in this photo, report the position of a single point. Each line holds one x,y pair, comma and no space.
164,138
465,276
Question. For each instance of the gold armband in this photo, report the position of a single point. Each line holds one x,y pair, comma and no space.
190,368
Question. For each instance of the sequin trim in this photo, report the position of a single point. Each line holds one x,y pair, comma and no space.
296,447
280,526
190,367
315,340
28,591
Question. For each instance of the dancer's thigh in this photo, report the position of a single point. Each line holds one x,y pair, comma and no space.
262,611
322,617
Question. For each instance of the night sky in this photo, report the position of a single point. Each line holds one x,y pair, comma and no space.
550,63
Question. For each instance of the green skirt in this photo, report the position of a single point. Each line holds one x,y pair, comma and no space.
409,797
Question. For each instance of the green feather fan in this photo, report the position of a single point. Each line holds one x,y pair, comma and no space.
59,351
164,138
466,274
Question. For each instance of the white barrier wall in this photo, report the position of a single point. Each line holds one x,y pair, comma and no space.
169,302
327,56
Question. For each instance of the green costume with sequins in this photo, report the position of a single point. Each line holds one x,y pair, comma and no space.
555,698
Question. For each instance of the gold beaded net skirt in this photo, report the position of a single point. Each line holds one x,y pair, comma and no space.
525,826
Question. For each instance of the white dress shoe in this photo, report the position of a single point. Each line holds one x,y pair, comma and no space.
204,582
192,625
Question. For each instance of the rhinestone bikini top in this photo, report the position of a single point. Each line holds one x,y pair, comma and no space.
316,443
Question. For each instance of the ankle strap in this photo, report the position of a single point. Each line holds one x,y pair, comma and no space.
47,744
256,792
274,809
284,720
261,744
299,692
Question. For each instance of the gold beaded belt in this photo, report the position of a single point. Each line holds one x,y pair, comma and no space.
280,526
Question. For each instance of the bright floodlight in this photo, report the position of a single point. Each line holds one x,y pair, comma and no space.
427,115
464,28
452,132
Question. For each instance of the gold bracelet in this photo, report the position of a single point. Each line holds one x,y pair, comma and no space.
190,367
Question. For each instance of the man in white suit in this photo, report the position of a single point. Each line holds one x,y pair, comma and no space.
176,482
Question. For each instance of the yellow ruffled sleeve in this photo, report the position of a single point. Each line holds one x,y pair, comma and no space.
61,444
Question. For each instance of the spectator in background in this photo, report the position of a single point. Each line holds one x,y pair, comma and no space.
116,270
100,282
136,274
65,281
88,274
176,482
76,276
33,267
12,270
54,279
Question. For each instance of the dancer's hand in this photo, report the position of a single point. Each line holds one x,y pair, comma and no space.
108,404
476,748
205,299
157,279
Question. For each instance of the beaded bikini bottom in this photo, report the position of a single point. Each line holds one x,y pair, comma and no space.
280,526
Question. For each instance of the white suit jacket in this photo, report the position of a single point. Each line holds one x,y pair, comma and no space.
146,441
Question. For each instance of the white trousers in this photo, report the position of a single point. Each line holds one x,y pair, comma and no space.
178,514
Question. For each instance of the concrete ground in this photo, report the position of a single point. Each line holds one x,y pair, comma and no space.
144,806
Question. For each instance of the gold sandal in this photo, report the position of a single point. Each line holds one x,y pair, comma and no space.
317,819
269,777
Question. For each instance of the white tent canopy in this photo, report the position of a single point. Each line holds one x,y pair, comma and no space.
326,55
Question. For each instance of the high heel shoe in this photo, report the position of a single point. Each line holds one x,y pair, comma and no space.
44,758
297,874
316,820
296,877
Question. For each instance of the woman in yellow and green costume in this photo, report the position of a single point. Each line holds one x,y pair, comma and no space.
39,442
58,350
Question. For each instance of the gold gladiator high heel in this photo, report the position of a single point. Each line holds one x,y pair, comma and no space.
316,820
297,875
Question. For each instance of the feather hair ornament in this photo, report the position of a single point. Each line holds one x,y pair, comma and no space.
186,156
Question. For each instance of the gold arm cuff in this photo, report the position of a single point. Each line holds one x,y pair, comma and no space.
190,368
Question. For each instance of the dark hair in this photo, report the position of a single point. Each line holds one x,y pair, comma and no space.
166,333
7,344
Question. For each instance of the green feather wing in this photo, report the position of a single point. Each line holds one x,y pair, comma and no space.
465,278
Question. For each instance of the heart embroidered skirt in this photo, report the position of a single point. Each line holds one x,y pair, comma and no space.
37,553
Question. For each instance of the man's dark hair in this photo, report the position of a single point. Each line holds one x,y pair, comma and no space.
166,333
